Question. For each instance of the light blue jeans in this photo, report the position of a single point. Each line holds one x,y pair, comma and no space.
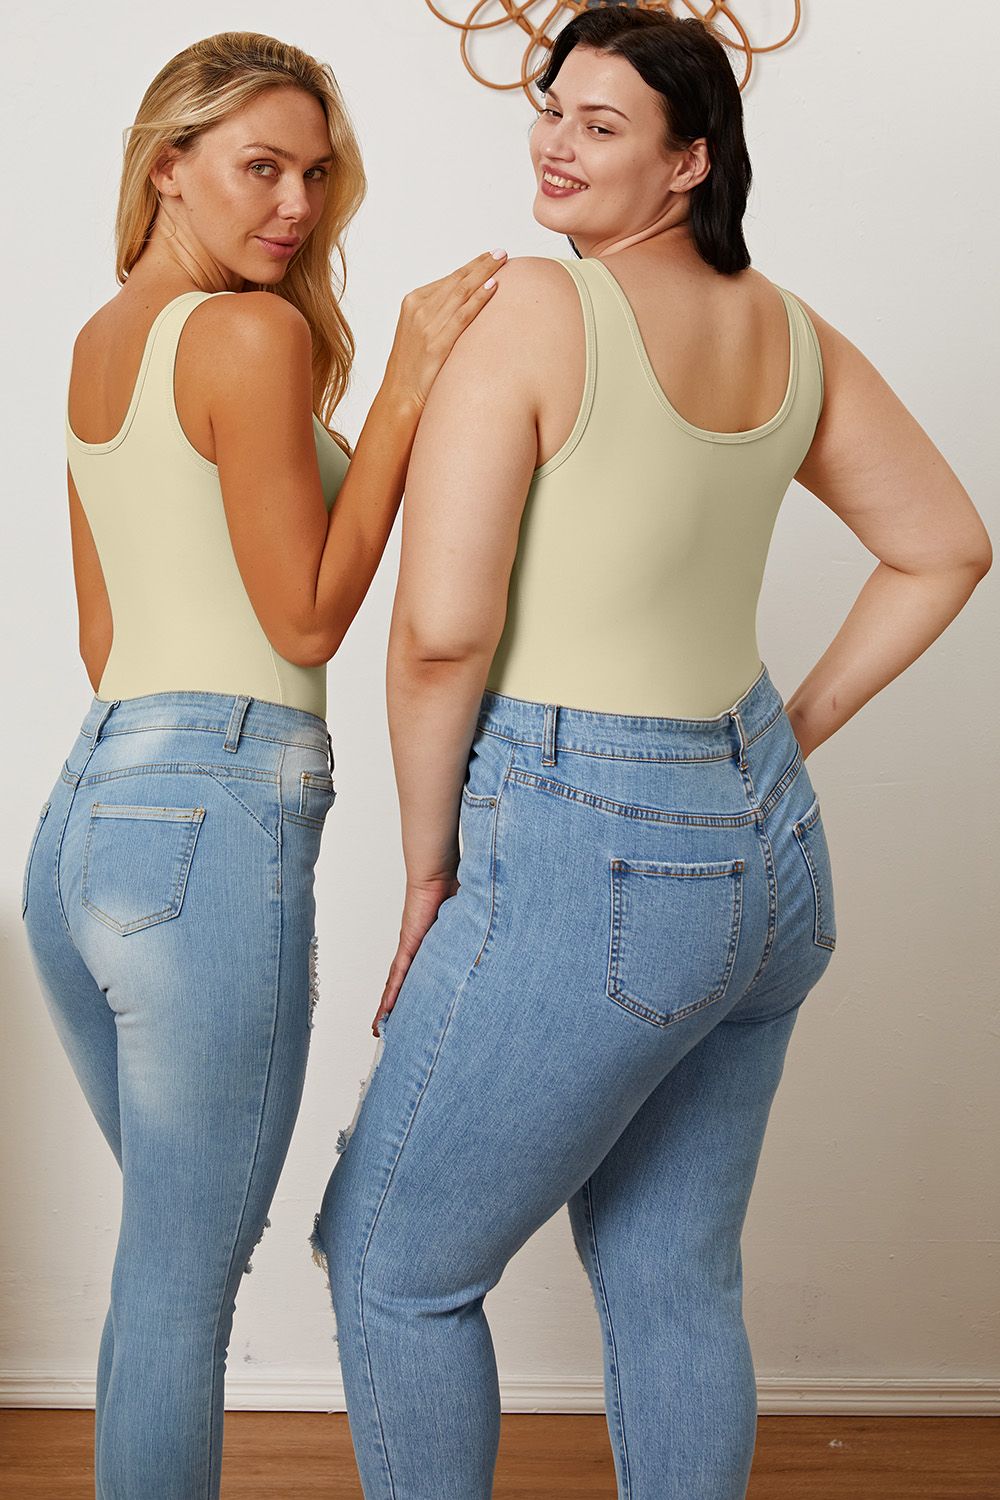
599,1016
168,901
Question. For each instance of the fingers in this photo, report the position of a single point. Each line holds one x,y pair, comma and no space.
472,269
472,274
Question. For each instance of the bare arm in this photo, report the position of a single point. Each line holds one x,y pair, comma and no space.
875,467
307,571
93,606
467,483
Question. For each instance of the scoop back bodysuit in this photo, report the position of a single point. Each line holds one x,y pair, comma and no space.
644,538
182,615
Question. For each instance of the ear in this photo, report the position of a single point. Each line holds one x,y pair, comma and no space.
693,167
162,173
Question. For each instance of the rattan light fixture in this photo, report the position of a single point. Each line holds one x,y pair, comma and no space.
542,20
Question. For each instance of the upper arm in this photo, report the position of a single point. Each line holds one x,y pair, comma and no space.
93,604
873,464
260,407
470,469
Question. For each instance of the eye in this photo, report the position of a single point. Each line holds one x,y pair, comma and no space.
321,170
603,130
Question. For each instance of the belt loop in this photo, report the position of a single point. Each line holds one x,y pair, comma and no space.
100,723
240,706
549,735
741,736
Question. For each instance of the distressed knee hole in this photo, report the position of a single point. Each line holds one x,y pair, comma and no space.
249,1265
313,976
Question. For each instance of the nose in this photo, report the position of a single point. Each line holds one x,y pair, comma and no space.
557,142
295,203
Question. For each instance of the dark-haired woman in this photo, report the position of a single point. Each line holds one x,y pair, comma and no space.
221,548
599,995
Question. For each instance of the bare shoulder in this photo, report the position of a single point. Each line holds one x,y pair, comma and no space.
533,303
256,326
533,292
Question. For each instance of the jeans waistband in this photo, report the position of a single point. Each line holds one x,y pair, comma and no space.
552,725
233,714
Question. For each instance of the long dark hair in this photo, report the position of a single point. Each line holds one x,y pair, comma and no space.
687,65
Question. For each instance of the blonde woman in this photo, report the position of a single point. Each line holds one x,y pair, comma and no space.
221,548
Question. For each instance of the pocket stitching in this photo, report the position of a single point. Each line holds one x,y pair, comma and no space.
495,803
318,781
802,829
194,816
614,988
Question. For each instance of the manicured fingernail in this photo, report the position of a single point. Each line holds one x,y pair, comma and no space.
498,254
487,284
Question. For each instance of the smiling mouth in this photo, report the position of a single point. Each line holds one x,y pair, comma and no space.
564,182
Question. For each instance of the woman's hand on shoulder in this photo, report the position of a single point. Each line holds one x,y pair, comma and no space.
431,319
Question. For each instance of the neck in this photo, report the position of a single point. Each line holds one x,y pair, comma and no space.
671,227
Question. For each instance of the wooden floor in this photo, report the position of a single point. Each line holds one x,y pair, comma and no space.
45,1455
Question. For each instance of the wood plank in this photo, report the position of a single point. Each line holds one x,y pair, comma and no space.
46,1455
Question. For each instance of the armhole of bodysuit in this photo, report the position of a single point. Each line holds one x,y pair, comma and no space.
170,367
814,340
590,374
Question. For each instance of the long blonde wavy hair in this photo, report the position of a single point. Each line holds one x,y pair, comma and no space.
194,90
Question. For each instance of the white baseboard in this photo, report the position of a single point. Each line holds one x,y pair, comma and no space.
812,1397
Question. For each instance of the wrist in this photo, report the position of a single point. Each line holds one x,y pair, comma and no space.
443,871
399,399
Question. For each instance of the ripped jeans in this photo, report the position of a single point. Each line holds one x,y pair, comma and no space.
169,908
599,1018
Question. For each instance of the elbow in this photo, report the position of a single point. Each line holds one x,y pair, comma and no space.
417,645
312,650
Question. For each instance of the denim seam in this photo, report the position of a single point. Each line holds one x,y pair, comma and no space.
58,850
782,784
801,829
567,747
179,767
378,1210
219,782
26,878
628,810
768,857
610,1337
212,1437
493,859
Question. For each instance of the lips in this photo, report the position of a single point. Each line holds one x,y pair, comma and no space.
562,181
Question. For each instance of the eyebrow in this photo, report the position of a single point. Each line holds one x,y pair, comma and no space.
278,151
552,95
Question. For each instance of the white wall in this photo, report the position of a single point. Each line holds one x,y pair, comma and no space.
873,1231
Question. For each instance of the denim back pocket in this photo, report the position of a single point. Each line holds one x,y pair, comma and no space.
31,855
136,862
811,837
675,929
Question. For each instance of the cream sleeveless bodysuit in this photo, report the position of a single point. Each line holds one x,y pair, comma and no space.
182,615
644,538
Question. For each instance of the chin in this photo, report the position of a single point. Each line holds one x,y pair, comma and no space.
558,223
